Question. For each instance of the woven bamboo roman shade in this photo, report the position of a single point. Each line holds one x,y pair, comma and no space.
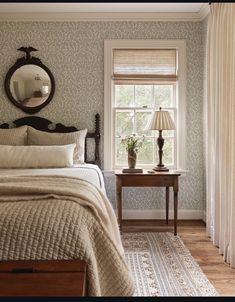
145,64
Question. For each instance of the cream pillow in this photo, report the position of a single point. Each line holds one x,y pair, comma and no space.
13,136
37,137
36,156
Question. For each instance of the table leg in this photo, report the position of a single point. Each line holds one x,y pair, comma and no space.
167,204
175,211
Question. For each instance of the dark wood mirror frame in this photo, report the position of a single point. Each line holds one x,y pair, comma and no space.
27,60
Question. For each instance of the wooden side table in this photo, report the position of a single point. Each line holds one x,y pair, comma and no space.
145,179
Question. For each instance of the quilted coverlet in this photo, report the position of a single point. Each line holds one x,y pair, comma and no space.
57,217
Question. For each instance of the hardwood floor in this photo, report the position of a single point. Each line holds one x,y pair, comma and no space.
193,233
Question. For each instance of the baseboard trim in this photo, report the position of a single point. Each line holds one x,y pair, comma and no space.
204,216
161,214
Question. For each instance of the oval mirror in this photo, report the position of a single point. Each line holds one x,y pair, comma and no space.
29,84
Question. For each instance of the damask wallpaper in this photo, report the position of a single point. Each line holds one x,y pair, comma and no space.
74,52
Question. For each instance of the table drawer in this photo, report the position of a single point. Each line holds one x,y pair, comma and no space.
148,181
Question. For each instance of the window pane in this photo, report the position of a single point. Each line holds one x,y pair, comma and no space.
145,154
144,96
142,119
168,153
120,153
163,96
169,133
124,123
124,95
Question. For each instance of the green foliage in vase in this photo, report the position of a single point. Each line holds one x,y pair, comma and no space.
133,143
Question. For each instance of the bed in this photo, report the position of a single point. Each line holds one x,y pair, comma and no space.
59,213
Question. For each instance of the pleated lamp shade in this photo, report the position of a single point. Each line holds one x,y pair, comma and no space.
161,120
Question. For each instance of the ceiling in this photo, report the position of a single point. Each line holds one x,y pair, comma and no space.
103,11
101,7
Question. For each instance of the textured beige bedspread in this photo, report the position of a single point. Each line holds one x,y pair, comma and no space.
57,217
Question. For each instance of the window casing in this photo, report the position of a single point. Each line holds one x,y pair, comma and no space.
129,102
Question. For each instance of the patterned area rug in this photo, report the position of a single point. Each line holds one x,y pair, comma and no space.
162,266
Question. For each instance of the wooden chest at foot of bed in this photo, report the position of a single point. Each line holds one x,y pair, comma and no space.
43,278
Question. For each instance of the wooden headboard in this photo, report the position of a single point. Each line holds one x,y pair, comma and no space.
43,124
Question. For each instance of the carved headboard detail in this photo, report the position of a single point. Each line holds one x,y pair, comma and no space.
43,124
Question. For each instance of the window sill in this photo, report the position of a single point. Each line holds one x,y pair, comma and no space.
112,172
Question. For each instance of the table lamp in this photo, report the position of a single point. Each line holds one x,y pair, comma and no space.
161,120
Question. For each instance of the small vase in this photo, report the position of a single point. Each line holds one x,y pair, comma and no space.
131,159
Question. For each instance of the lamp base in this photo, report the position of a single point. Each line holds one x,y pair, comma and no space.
161,169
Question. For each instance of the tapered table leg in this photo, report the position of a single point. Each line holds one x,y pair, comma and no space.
175,211
167,204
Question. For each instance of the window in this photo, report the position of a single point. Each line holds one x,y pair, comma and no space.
141,76
133,107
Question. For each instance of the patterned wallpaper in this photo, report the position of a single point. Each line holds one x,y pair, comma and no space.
74,53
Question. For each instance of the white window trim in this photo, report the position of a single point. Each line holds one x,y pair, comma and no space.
180,45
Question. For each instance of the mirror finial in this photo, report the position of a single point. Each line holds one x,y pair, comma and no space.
27,50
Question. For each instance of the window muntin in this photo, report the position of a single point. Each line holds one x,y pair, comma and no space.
133,106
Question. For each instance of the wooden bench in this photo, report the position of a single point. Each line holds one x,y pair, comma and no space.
43,278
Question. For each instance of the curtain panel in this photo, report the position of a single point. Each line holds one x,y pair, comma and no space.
221,129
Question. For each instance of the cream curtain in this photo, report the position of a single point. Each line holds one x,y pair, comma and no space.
221,129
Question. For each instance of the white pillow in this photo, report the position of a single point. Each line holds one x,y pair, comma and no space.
36,156
43,138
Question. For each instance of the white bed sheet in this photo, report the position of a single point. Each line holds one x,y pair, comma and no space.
89,172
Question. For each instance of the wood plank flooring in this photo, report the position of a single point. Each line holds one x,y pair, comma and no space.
193,233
